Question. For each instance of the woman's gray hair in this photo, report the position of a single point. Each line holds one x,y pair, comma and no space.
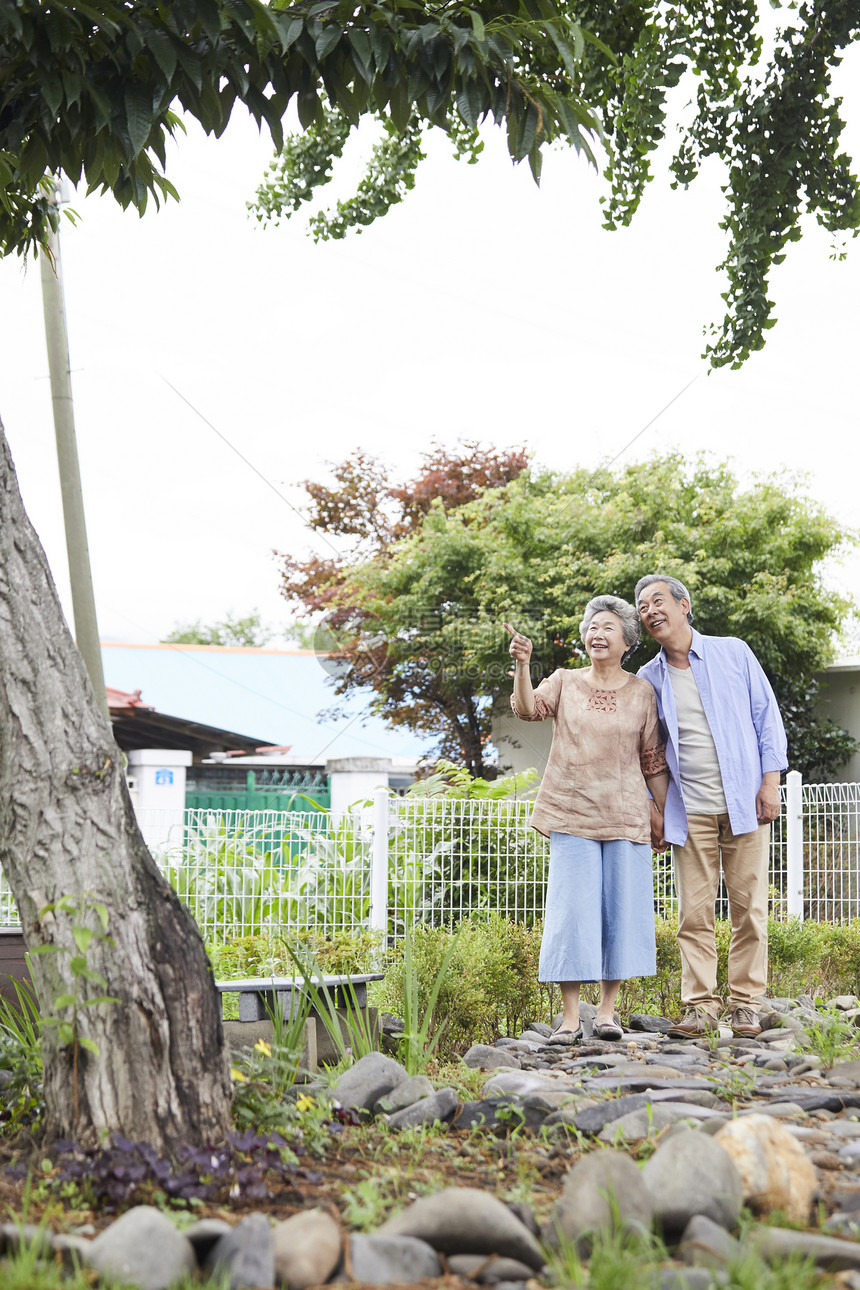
677,588
614,605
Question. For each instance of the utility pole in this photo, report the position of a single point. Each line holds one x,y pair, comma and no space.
80,574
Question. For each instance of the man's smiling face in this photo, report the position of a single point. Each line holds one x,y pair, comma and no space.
662,615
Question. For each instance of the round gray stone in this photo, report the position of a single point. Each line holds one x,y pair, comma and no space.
381,1260
405,1094
691,1174
246,1254
483,1057
368,1080
604,1192
142,1248
439,1107
464,1220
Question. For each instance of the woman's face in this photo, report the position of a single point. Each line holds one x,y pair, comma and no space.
604,639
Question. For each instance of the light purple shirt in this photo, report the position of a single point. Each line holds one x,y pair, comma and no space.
744,719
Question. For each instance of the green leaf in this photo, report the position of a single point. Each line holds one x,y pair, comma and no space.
161,47
478,28
294,29
78,964
90,1045
327,39
83,938
98,1000
48,949
64,1001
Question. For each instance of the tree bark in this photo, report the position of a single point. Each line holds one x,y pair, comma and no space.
67,828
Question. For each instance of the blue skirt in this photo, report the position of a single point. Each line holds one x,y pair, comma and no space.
599,919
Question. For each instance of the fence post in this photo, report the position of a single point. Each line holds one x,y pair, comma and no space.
794,843
379,863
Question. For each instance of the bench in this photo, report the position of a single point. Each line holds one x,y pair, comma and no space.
260,996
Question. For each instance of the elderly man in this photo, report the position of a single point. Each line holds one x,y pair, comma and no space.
725,745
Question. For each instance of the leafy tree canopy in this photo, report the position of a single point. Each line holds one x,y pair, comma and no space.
422,619
91,89
772,118
233,630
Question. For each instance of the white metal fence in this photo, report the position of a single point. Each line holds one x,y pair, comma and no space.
399,860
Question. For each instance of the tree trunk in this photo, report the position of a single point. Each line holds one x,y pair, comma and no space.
67,829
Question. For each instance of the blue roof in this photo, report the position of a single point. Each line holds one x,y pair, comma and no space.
275,695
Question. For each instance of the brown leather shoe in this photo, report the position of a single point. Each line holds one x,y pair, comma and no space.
745,1023
695,1024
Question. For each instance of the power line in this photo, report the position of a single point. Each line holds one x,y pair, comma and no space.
656,417
244,459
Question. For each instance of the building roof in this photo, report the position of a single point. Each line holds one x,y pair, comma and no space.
850,663
277,692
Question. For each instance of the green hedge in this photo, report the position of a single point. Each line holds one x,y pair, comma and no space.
491,986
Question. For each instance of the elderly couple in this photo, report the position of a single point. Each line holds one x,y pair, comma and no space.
689,751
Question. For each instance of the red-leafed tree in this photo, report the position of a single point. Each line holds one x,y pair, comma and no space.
362,515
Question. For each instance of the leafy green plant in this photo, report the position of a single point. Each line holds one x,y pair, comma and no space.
415,1045
21,1057
831,1038
732,1083
72,1003
361,1035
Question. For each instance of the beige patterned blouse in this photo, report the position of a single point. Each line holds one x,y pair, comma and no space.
605,744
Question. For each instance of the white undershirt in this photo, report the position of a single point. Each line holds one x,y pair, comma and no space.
701,781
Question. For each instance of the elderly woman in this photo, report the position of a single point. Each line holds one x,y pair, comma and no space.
594,805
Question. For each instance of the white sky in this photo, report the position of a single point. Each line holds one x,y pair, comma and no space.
481,307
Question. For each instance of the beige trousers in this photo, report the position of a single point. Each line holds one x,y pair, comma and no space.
697,875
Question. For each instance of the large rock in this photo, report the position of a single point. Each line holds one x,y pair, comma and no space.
307,1249
520,1084
651,1120
440,1107
827,1252
849,1072
776,1173
483,1057
707,1245
591,1119
604,1192
691,1174
652,1025
368,1080
488,1272
142,1248
463,1220
381,1260
405,1094
244,1258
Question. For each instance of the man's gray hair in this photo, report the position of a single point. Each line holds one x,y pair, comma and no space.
677,588
630,626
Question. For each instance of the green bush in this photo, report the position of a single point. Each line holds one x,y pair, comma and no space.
490,989
491,986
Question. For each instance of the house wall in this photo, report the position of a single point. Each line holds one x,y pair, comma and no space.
840,700
521,744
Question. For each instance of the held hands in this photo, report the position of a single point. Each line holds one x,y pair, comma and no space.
520,648
767,804
658,841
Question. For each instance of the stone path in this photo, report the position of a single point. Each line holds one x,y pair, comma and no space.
734,1122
